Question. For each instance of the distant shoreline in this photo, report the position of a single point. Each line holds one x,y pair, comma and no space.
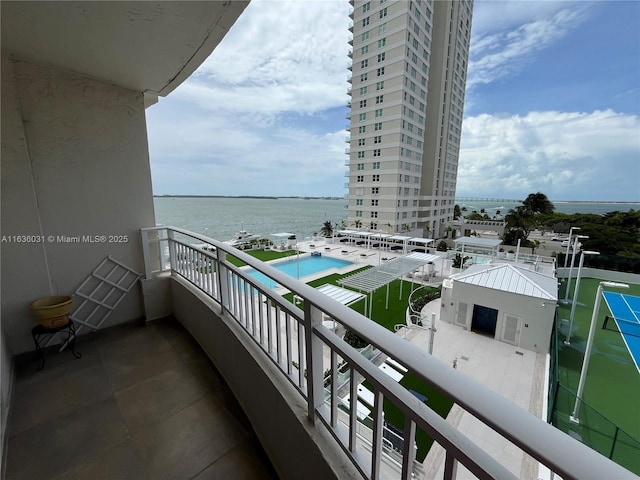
259,197
265,197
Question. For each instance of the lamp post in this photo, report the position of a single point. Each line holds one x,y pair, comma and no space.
587,353
566,255
575,294
573,256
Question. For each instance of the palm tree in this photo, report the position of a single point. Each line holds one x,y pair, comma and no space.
538,203
327,229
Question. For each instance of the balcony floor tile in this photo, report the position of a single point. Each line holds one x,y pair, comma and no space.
143,402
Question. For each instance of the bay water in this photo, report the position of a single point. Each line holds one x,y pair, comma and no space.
221,217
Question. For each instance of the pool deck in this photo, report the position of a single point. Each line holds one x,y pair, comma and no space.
514,373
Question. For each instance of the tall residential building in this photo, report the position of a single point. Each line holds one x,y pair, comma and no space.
409,72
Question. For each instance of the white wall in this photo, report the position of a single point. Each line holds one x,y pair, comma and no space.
74,162
537,320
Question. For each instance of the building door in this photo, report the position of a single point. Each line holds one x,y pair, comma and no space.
461,317
484,320
511,329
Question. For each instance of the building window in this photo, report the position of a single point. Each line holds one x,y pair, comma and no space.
361,141
366,7
405,203
358,202
374,214
362,116
381,57
360,178
380,85
364,63
365,22
365,36
382,42
382,29
376,178
375,190
380,71
363,103
361,166
379,99
362,129
364,77
378,126
374,202
379,112
383,12
358,213
361,154
364,50
376,152
377,139
363,90
376,165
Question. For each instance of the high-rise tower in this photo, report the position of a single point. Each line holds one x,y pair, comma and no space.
409,71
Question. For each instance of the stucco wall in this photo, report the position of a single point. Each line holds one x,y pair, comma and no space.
278,414
538,319
74,163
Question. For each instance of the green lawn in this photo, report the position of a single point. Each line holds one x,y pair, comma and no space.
264,255
612,385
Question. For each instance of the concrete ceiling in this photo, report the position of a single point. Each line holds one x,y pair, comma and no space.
146,46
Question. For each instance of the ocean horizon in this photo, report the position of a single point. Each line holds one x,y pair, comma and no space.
221,217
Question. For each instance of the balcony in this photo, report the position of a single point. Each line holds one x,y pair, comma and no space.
221,305
350,53
350,40
351,27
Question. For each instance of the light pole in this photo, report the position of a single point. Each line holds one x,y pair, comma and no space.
575,294
587,351
566,255
573,256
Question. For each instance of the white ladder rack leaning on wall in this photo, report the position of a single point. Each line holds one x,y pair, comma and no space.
100,294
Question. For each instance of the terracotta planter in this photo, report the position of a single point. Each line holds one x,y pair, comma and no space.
52,312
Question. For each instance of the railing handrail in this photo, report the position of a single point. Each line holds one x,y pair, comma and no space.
561,453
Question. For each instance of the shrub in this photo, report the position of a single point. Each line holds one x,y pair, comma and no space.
442,246
354,340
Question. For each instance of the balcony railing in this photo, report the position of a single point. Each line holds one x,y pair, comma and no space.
297,343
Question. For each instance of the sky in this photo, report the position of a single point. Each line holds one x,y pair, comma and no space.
552,105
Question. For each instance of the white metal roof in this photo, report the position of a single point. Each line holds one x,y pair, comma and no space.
399,237
342,295
372,279
509,278
478,242
425,241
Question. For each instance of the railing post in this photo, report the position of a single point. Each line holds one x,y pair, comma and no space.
172,250
223,279
145,254
315,391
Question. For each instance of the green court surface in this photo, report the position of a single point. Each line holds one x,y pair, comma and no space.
610,415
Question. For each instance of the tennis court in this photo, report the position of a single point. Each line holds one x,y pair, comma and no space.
626,313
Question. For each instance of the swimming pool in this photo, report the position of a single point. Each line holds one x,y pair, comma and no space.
308,266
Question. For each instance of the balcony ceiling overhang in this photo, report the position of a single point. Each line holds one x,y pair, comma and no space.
150,47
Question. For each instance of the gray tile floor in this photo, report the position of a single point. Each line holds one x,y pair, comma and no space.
142,402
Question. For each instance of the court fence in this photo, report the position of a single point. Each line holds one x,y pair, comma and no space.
594,429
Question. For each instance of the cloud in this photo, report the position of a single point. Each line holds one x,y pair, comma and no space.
278,57
567,156
496,55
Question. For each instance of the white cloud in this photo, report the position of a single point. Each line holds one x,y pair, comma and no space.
567,156
499,54
280,56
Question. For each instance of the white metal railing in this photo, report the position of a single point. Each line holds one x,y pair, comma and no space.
298,344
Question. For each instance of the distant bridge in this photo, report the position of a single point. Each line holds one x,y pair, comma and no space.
487,200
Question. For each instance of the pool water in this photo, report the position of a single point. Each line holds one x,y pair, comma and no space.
307,265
